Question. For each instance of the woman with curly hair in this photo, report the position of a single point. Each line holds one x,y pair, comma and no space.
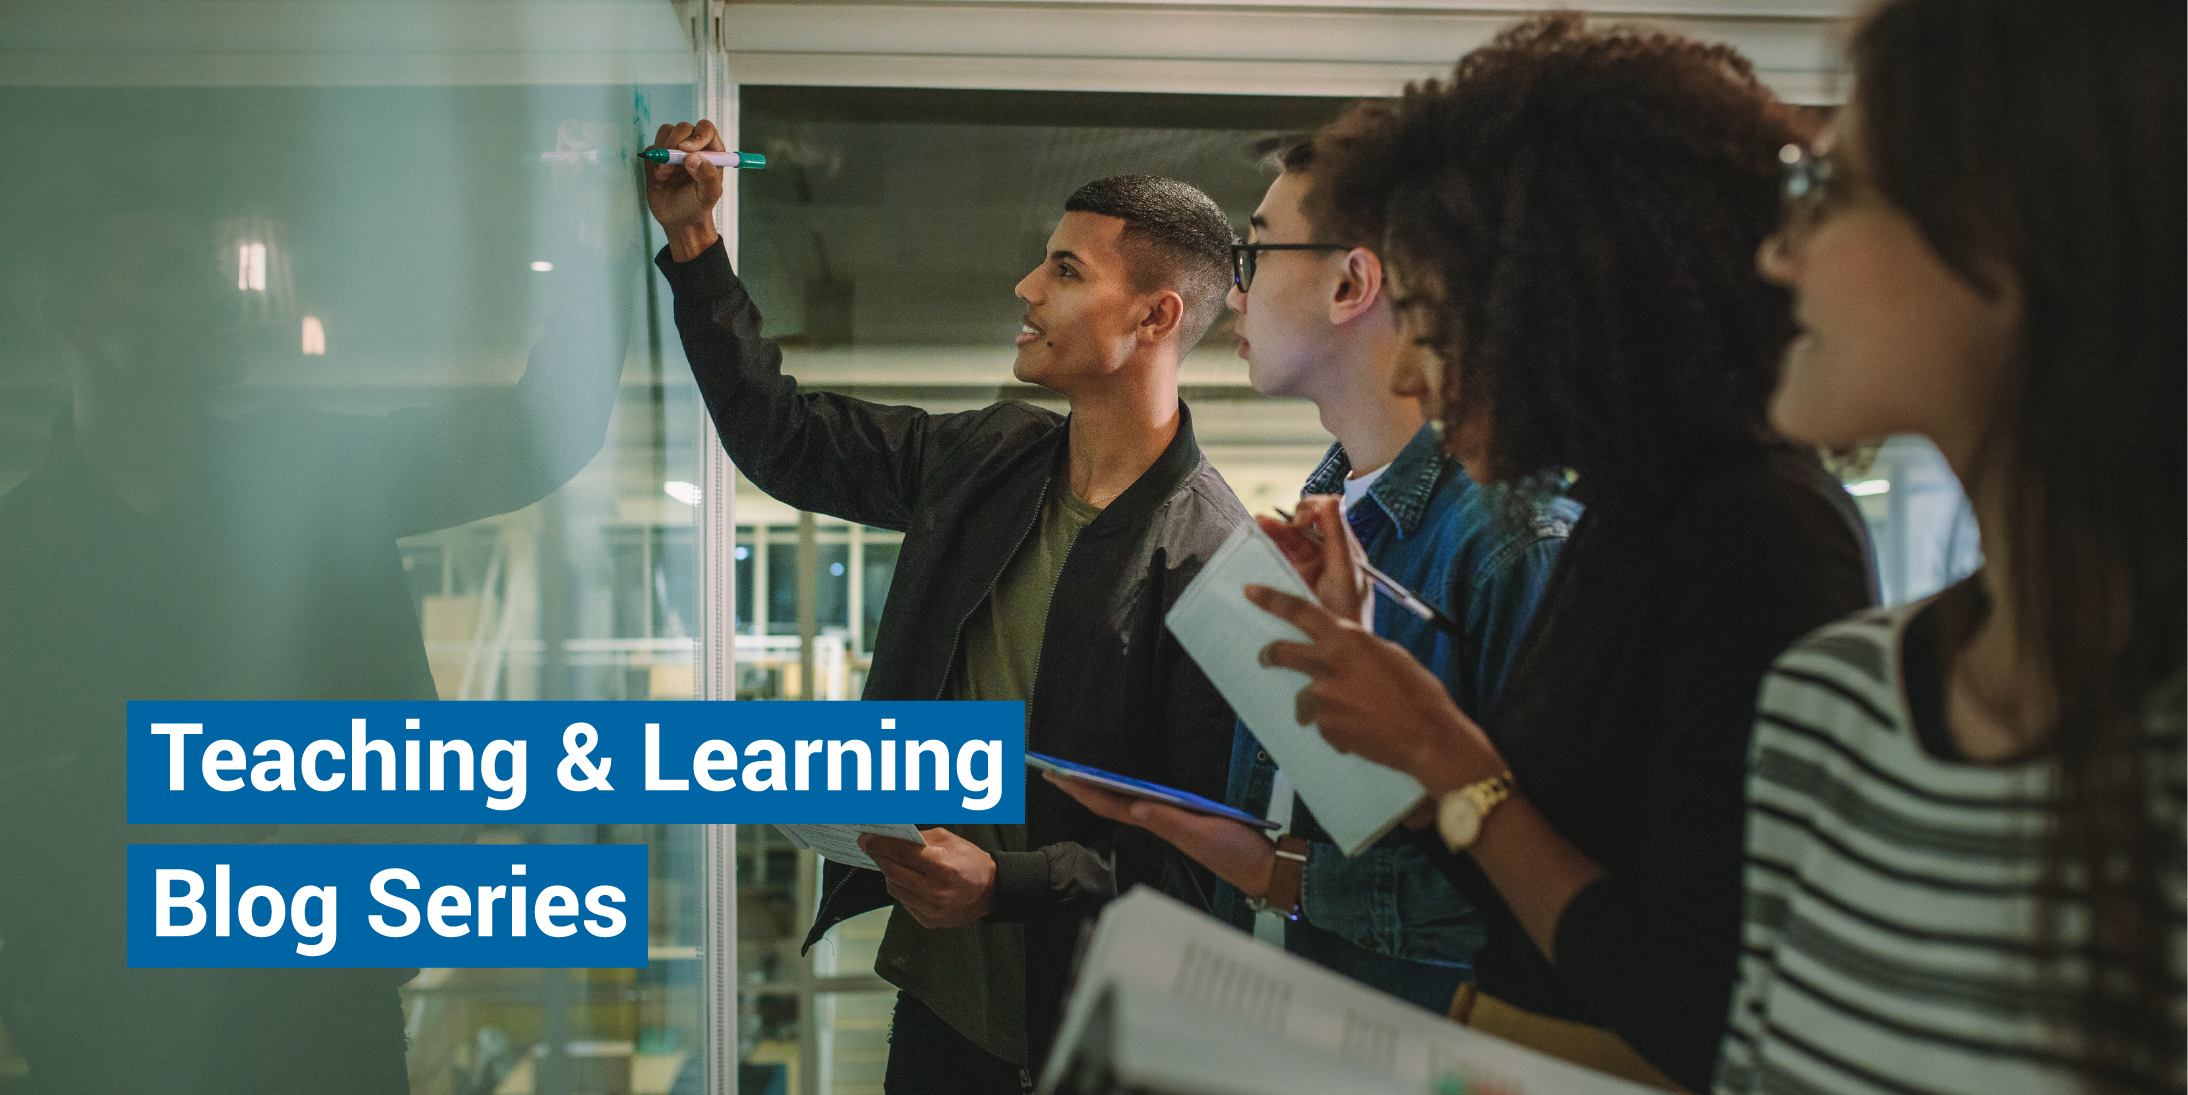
1573,218
1965,844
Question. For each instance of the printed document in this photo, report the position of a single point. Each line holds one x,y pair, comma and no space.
1251,996
840,842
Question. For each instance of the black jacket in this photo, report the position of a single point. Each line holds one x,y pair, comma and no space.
1113,688
1626,721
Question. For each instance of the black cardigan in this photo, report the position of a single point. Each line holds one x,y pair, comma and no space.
1113,690
1626,723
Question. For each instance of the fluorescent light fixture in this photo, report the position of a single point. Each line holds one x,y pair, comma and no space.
1867,487
682,492
315,337
542,266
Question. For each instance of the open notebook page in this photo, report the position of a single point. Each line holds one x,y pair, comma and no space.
1156,943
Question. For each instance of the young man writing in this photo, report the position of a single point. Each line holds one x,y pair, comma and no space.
1316,320
1040,554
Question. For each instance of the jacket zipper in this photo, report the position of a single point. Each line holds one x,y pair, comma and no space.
957,638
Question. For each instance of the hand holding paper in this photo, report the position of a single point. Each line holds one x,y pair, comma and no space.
1319,543
1373,699
1356,800
841,842
946,882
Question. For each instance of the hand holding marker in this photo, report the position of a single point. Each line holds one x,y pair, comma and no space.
719,159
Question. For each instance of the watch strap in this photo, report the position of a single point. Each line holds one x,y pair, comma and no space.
1287,878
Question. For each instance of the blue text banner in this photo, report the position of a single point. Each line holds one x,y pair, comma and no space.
513,762
230,906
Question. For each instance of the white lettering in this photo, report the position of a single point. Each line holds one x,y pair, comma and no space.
278,774
990,786
556,901
323,930
175,732
654,782
913,750
715,756
168,902
446,902
597,901
511,787
359,746
312,753
771,763
837,750
223,756
380,894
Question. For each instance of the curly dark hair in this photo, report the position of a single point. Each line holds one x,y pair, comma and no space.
1577,212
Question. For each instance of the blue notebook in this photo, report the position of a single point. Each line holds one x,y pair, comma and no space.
1140,788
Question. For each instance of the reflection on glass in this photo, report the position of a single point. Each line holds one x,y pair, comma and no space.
331,392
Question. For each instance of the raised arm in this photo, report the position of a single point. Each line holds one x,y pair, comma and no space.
817,451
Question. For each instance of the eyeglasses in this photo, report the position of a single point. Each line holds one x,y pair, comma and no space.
1808,188
1243,258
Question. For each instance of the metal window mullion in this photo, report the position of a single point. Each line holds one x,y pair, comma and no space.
718,615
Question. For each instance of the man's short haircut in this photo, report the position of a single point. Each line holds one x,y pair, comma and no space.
1174,238
1296,158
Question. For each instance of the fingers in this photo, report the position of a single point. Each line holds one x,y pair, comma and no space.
1298,549
703,138
1102,803
666,137
903,853
1325,513
1299,657
1307,616
905,889
1305,706
706,175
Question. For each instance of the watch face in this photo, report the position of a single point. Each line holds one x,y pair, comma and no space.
1459,821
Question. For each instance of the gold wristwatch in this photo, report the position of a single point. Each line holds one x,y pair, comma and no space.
1459,813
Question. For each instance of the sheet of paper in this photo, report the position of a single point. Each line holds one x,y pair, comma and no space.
1144,1039
1158,944
840,842
1356,800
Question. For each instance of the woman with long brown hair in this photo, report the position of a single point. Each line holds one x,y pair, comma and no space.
1965,847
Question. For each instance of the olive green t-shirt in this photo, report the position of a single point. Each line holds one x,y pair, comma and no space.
974,977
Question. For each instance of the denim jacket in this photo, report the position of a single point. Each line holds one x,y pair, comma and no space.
1439,534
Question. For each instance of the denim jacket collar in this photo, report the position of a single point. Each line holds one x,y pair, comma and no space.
1404,490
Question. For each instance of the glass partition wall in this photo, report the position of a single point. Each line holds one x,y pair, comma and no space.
333,370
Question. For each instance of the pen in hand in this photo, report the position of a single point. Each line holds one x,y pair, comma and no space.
1405,598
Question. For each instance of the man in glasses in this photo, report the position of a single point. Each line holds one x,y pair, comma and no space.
1317,320
1040,555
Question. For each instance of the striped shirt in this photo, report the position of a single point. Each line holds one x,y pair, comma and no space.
1890,909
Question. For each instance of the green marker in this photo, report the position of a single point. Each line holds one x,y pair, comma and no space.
749,160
